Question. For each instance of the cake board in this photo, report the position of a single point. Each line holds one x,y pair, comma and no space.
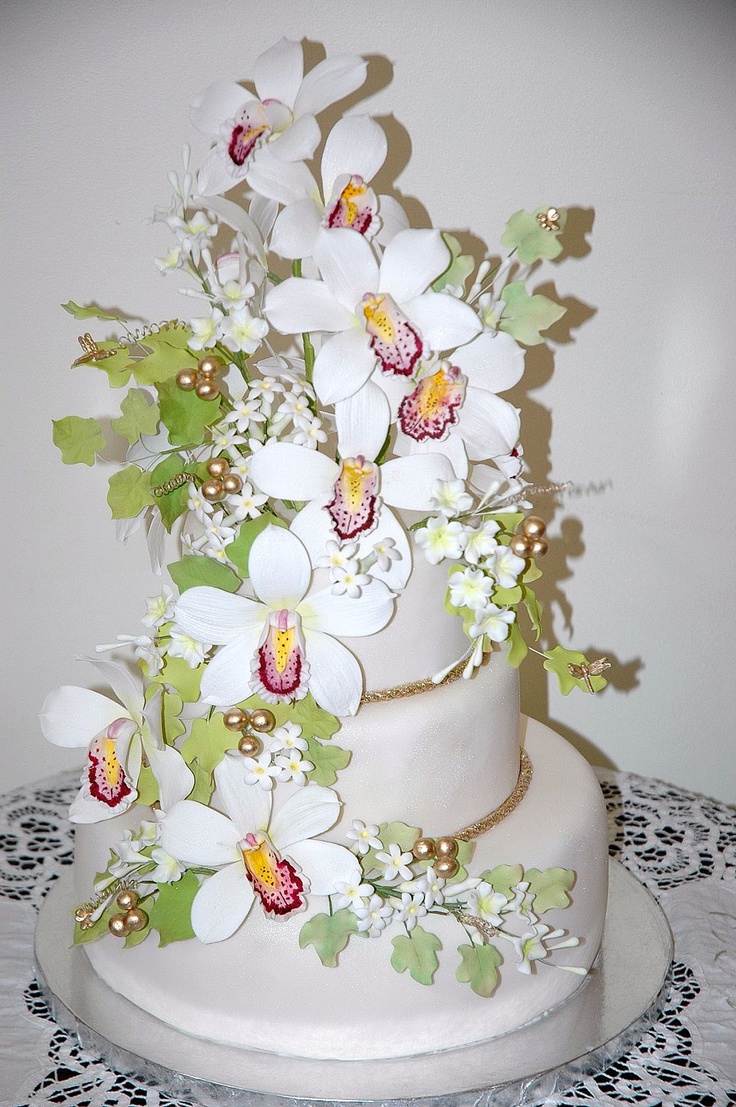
614,1007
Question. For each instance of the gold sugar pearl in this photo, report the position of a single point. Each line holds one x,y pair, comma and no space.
539,547
127,899
212,490
235,718
533,526
446,867
218,466
423,849
136,919
521,545
186,379
262,720
445,847
232,483
207,389
250,745
118,926
209,365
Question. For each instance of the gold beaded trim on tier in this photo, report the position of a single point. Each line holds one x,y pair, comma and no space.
414,687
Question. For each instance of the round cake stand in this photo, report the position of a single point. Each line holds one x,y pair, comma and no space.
616,1005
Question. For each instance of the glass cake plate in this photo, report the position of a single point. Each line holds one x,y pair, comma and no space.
616,1004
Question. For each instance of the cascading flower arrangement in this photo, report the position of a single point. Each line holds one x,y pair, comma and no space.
343,368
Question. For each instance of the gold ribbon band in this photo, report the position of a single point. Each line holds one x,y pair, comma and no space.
400,691
509,804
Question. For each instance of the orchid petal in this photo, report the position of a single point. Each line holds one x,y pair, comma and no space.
174,777
452,447
362,422
237,219
215,175
285,469
347,264
493,361
299,304
410,263
332,80
226,679
393,219
325,865
336,679
489,425
248,806
295,230
278,72
72,717
297,143
344,615
199,835
310,811
444,321
344,363
279,566
356,145
85,808
126,685
222,904
218,103
388,526
211,615
264,212
408,481
313,526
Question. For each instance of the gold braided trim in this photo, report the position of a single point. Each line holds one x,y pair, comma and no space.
509,804
400,691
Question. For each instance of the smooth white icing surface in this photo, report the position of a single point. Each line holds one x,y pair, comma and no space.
261,990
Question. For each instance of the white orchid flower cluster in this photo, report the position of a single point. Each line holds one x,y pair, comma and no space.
330,409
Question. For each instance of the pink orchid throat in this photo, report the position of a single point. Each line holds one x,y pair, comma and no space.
279,667
353,507
274,879
434,406
395,341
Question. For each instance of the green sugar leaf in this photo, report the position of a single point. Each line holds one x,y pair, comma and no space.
173,727
531,241
167,354
171,911
504,878
525,316
404,836
507,597
460,266
170,504
534,611
203,785
178,675
550,888
139,416
479,968
314,721
89,311
193,571
129,492
239,549
184,415
147,787
208,741
327,761
417,952
518,648
80,440
329,934
558,661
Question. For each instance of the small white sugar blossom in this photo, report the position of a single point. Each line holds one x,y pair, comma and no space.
261,770
365,836
471,588
204,330
450,498
441,539
353,893
492,621
292,767
348,580
480,542
505,566
374,917
187,648
412,909
337,556
242,332
396,863
385,552
287,737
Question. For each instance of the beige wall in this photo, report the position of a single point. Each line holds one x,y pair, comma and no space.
623,110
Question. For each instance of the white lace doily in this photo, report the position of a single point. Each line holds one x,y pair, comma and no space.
680,845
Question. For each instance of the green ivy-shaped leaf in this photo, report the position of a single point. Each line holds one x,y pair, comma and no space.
558,660
550,888
314,720
171,504
137,936
193,572
168,353
184,415
118,365
80,440
239,549
81,937
329,934
208,741
508,522
417,952
327,761
89,311
139,415
176,673
507,597
172,705
504,878
479,968
129,492
147,786
460,267
525,316
518,648
171,912
531,241
534,611
204,785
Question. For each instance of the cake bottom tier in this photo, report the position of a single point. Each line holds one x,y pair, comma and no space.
259,989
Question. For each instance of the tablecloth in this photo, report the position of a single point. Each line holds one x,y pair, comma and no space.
681,846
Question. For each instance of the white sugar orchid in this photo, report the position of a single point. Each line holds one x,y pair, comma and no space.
280,644
281,113
354,152
259,853
347,499
116,733
379,314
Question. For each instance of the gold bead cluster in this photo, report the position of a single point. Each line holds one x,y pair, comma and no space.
221,482
442,852
262,721
529,541
130,918
203,379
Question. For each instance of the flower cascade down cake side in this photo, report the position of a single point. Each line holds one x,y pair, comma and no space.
311,768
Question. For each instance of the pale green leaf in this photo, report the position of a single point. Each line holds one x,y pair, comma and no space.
534,611
184,415
193,571
417,952
170,504
460,266
558,661
329,934
203,785
89,311
404,836
147,787
178,675
504,878
479,968
507,597
525,316
139,416
170,914
80,440
518,648
327,761
129,492
172,724
529,240
208,741
167,353
550,888
314,720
